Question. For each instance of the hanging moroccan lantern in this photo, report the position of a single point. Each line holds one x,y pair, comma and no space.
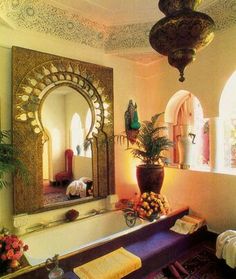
181,32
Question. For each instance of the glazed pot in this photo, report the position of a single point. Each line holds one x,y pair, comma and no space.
150,178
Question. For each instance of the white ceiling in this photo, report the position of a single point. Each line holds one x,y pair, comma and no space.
119,27
117,12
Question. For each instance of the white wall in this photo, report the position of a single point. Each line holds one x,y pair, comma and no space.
205,77
82,166
125,88
57,111
6,194
209,194
75,103
53,118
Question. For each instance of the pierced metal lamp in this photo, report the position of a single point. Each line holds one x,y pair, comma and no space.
181,32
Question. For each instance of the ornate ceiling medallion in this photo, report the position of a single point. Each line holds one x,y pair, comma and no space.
181,33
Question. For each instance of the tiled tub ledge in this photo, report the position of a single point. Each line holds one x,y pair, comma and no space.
150,241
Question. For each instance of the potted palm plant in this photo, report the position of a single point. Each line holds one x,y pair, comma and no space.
9,163
149,147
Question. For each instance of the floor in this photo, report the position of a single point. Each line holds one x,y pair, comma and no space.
53,193
199,262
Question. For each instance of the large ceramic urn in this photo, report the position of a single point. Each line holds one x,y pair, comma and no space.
186,146
150,178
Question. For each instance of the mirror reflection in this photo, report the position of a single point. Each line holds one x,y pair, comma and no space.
67,166
46,141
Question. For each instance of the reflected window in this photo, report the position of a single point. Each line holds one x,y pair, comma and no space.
77,135
88,121
65,117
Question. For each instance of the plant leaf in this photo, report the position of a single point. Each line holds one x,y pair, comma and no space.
9,162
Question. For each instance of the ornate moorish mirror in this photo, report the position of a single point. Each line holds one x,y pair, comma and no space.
58,105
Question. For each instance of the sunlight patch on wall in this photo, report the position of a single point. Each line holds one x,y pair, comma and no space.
227,107
227,111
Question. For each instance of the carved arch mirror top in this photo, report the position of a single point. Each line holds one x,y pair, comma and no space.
35,75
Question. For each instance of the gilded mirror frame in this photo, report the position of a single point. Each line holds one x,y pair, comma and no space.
35,75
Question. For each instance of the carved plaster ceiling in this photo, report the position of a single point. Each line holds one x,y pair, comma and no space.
119,27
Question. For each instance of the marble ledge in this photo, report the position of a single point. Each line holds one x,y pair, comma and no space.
203,170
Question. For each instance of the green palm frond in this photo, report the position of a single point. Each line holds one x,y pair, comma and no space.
9,162
150,144
4,135
121,139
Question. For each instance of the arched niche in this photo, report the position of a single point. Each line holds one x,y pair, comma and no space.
184,113
35,75
186,103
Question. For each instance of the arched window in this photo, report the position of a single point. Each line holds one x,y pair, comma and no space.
227,112
189,130
77,135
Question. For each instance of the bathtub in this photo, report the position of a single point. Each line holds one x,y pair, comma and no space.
76,236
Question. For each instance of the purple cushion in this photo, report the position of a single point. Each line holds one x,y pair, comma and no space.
152,245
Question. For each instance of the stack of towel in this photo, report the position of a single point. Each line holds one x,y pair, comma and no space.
226,247
187,224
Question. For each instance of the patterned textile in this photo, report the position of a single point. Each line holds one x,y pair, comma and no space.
201,263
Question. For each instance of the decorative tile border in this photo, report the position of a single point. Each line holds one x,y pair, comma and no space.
223,12
43,17
128,36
